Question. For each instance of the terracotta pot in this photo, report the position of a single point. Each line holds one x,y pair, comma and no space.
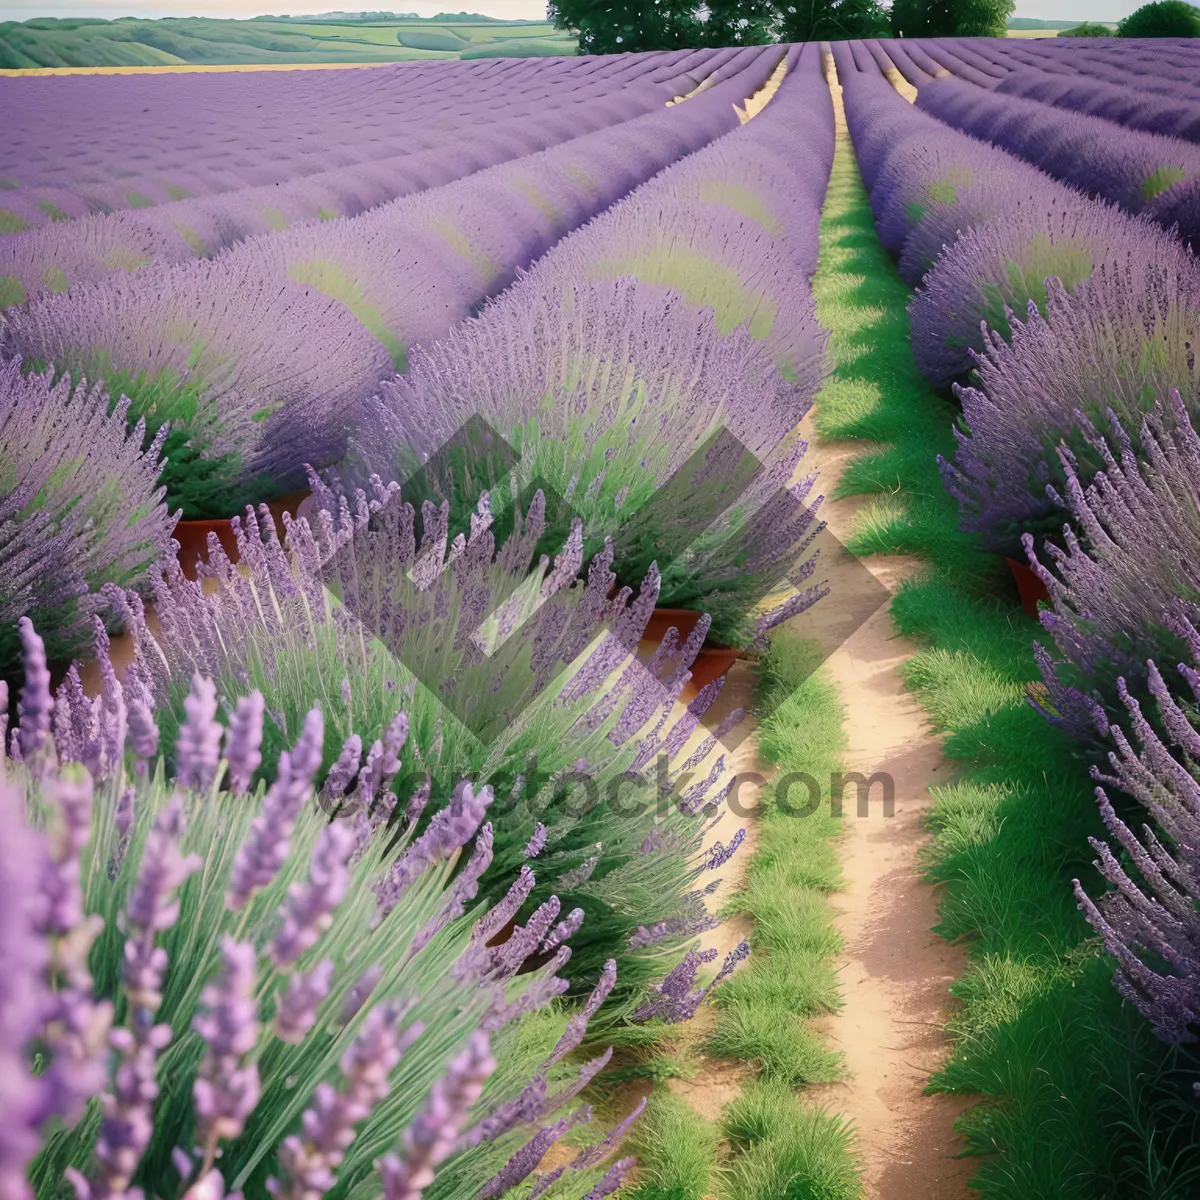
711,663
1030,588
192,536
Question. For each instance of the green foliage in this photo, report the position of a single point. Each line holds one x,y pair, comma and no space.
1165,18
173,41
626,26
676,1150
951,18
762,1009
1082,1101
787,1152
832,20
1088,29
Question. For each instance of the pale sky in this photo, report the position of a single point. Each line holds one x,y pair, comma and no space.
23,10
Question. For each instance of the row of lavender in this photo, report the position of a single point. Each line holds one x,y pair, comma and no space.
371,1003
155,157
1075,323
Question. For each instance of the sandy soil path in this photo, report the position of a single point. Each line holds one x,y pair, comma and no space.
894,971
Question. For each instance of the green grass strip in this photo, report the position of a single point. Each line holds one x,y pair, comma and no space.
762,1010
1079,1101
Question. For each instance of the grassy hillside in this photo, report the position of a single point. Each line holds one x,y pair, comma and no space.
82,42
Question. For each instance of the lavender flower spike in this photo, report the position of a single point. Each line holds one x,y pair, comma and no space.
226,1091
537,843
21,995
36,705
198,749
270,836
522,1164
311,1160
719,855
435,1129
151,906
297,1011
613,1178
143,733
243,740
308,909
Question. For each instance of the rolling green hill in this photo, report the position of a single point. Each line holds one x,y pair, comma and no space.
130,41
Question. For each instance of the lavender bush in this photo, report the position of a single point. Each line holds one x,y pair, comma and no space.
219,1001
554,719
1117,346
79,505
1002,266
1143,172
262,356
1150,922
1123,588
580,365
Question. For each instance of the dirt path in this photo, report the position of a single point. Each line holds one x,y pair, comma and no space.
894,971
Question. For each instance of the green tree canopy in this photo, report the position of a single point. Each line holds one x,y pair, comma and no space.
831,20
951,18
1087,29
1166,18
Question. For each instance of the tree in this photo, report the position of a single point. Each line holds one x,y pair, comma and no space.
1087,29
951,18
739,22
1167,18
619,26
832,20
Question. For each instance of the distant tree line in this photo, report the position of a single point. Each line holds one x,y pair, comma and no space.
613,26
616,26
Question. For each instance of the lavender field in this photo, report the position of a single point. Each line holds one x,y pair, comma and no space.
455,515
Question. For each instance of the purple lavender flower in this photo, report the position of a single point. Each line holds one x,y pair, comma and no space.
143,734
577,1024
537,843
22,994
297,1010
719,855
310,1161
243,739
198,748
450,828
36,705
356,997
435,1129
594,1155
151,906
127,1110
308,910
344,768
521,1165
613,1178
564,930
268,841
226,1089
80,506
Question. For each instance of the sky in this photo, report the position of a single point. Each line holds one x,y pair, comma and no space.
22,10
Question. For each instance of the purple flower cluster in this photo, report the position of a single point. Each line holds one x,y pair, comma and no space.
285,336
1002,266
1118,344
1142,172
79,502
1151,921
46,929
